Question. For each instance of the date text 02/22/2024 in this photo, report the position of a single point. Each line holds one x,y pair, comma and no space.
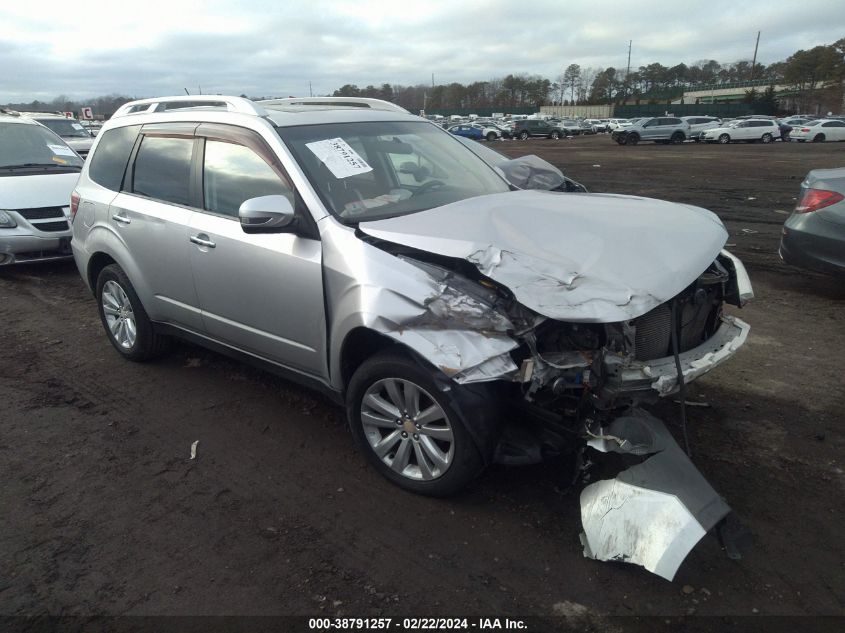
415,624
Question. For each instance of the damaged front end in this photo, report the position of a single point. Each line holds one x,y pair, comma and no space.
571,343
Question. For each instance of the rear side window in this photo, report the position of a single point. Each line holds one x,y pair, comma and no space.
233,174
163,169
109,161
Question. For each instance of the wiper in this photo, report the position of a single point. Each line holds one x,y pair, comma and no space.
23,165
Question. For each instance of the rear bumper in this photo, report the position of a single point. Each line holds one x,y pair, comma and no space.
813,243
23,248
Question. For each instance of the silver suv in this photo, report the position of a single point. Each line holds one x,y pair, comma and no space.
366,252
663,129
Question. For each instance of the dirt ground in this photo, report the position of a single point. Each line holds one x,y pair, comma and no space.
102,512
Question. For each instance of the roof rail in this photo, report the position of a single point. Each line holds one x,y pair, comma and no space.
159,104
337,102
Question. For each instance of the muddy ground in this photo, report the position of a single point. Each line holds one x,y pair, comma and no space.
102,512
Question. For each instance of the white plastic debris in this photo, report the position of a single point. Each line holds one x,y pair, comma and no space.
194,449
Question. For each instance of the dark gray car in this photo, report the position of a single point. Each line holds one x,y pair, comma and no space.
814,235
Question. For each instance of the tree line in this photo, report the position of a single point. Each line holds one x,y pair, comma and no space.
814,74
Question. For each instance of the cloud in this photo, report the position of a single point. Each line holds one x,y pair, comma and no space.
272,48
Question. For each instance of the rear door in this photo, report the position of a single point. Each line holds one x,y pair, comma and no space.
263,293
834,130
151,216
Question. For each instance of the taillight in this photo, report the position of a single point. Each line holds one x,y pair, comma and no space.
805,129
74,205
815,199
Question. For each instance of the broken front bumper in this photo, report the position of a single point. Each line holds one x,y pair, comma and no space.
627,377
653,513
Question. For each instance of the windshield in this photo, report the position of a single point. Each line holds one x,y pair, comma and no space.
23,144
66,128
371,170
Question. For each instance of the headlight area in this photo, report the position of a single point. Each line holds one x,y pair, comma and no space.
581,387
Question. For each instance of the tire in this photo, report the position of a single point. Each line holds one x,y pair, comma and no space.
767,138
437,463
724,139
554,135
678,138
123,317
818,138
632,139
491,136
621,140
523,136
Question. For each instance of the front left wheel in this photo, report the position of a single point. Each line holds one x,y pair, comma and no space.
408,428
126,322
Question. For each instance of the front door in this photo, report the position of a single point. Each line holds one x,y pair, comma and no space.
262,294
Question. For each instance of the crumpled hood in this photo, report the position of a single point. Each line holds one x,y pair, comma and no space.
597,258
29,191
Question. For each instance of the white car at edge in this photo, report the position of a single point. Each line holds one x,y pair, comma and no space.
748,130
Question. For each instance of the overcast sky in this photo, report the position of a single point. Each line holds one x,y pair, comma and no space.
275,47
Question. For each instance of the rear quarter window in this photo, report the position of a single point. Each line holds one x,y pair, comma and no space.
108,163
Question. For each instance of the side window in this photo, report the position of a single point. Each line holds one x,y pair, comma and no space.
108,163
834,124
163,168
234,173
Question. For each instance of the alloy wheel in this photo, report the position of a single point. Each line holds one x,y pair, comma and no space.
407,429
120,318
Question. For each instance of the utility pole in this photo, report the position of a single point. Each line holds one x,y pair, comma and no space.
310,91
627,72
754,61
432,80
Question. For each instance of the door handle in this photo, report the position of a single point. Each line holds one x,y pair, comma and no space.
121,218
202,240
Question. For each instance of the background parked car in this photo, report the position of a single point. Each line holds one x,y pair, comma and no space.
748,130
615,124
658,129
536,127
71,130
819,131
598,125
37,174
467,131
698,124
814,235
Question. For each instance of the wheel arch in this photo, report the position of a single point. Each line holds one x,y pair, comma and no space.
96,263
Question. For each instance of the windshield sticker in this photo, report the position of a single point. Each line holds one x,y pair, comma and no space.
339,157
77,126
61,150
60,161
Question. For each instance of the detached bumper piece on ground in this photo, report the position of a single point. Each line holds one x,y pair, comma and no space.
653,513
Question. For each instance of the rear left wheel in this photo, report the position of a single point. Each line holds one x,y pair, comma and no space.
818,138
408,428
767,138
126,322
491,136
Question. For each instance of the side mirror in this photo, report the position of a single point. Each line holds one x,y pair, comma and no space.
267,214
